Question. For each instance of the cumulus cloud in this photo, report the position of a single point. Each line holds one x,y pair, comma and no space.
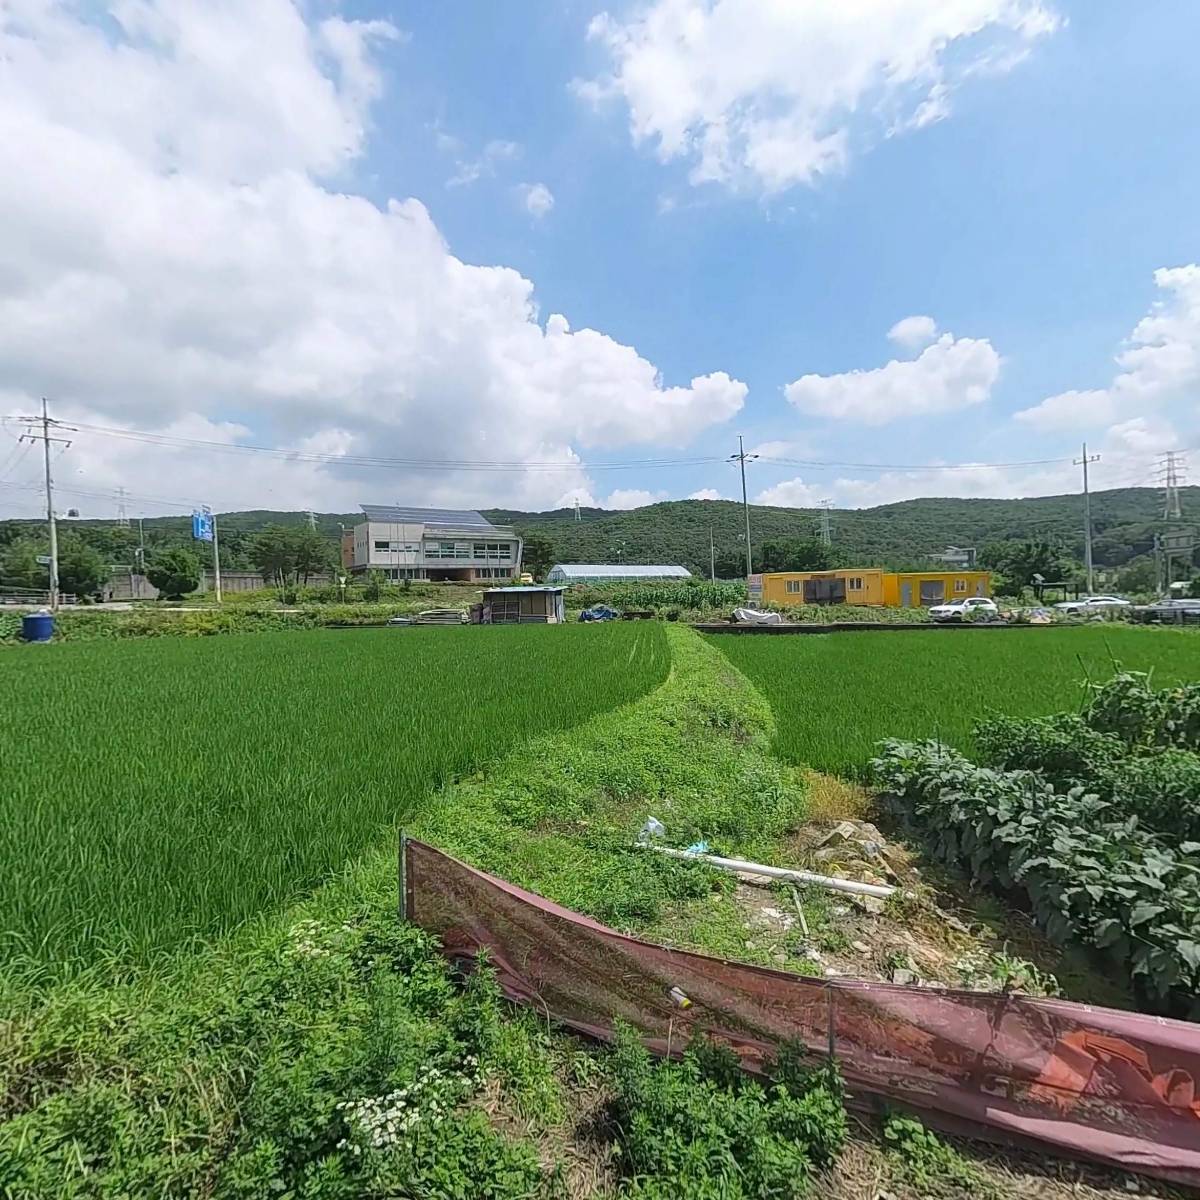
537,198
706,494
913,332
1128,451
623,498
952,374
773,93
1159,365
170,249
792,493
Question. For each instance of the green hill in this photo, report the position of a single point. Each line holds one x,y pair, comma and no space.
677,531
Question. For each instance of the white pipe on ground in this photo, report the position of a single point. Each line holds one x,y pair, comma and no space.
880,890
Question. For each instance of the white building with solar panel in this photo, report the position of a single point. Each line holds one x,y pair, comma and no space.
431,543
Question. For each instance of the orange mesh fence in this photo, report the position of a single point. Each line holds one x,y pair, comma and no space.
1088,1082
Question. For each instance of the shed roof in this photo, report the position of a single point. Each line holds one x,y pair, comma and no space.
525,587
598,570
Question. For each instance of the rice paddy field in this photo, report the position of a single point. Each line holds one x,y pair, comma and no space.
836,695
157,793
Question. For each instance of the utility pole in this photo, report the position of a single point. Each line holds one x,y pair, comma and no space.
742,457
712,556
47,423
141,551
826,526
1087,517
216,557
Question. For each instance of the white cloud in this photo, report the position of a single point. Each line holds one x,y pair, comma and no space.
537,198
706,494
913,332
773,93
951,374
1160,364
632,498
1128,452
167,253
792,493
470,170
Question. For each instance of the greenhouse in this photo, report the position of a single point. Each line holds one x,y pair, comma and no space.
569,573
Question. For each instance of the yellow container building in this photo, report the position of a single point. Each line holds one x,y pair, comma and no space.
873,585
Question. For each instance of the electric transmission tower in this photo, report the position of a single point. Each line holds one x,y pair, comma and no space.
1171,474
122,515
826,527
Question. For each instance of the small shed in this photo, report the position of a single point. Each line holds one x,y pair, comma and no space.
525,605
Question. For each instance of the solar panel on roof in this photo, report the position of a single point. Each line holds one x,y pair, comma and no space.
458,518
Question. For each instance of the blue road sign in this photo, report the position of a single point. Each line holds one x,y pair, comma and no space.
202,526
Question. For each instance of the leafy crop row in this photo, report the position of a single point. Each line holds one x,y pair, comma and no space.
1133,745
1090,872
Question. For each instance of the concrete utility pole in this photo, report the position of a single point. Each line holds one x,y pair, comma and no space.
742,457
216,559
712,556
1087,517
47,423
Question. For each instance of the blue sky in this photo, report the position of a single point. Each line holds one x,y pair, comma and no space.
1054,173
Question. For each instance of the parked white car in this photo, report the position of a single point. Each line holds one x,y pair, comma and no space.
976,607
1092,604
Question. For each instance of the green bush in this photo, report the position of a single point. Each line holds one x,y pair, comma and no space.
698,1128
1063,747
1129,708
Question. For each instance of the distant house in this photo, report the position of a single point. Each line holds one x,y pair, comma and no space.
431,543
569,573
957,556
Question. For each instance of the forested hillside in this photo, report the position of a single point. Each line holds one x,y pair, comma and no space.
894,535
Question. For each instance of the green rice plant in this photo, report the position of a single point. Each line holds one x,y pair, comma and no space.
161,791
836,695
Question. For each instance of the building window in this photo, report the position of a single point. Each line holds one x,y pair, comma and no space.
960,585
855,583
794,585
383,546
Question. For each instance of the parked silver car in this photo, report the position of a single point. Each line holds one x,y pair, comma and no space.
1092,604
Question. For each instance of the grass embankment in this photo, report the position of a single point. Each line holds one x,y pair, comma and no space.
325,1053
835,697
161,791
152,621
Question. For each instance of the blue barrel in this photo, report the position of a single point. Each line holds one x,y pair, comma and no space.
37,627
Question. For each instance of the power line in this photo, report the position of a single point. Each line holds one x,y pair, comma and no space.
390,463
502,465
